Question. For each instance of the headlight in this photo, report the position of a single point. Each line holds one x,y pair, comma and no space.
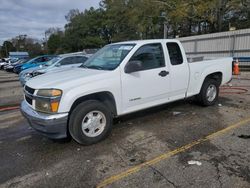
49,92
47,106
48,100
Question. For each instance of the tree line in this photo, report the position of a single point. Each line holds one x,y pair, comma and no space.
22,43
119,20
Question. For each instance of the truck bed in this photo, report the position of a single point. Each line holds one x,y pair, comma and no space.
199,69
194,59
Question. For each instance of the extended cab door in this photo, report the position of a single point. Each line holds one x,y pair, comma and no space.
179,70
149,86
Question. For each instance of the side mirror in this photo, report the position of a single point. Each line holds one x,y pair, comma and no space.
58,65
133,66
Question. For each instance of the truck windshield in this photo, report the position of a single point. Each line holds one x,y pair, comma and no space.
109,57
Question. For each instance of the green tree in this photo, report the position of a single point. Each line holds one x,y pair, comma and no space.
6,48
54,43
84,31
26,43
119,20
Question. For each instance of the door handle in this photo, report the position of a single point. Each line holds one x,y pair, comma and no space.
163,73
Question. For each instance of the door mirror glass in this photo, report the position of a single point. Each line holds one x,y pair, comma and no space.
133,66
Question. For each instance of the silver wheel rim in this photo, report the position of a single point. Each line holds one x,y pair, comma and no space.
93,123
211,93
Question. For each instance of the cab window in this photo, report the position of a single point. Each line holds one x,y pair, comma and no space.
66,61
80,59
175,54
151,56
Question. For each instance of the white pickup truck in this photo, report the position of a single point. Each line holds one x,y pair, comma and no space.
119,79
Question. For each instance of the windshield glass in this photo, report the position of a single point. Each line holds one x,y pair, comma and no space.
52,61
31,60
109,57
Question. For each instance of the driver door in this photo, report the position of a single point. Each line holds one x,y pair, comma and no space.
151,85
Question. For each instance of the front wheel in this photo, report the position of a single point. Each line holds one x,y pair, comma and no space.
208,95
90,122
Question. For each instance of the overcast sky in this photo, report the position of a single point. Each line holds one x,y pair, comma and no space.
33,17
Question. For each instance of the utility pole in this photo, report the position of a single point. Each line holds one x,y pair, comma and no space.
219,15
165,30
165,25
6,51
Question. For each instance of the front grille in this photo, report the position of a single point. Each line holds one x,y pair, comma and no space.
29,100
29,90
29,94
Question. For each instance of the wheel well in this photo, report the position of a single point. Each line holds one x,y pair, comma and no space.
215,76
105,97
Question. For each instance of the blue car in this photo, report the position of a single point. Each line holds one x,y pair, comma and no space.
37,61
62,62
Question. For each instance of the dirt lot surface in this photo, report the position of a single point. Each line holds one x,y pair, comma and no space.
176,145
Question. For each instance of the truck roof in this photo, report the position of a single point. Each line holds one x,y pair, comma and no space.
147,41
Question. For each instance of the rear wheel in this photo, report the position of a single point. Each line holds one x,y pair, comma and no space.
90,122
209,92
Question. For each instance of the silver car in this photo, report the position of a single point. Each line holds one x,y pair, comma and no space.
58,63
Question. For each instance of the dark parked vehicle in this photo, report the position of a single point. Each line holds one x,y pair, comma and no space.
17,68
10,67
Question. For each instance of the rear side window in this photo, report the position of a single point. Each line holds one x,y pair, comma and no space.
151,56
175,54
39,60
79,59
49,58
66,61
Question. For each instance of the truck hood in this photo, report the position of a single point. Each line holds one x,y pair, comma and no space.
65,79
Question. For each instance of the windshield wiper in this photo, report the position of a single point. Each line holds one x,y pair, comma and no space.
84,66
96,67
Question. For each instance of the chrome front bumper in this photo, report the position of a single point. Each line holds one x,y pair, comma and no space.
51,125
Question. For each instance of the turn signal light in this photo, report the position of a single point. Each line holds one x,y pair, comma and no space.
54,106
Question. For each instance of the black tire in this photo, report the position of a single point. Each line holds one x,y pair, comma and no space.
202,96
76,119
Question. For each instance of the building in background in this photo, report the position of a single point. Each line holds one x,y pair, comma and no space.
19,55
224,44
234,44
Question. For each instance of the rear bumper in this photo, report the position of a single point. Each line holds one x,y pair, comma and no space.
53,126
